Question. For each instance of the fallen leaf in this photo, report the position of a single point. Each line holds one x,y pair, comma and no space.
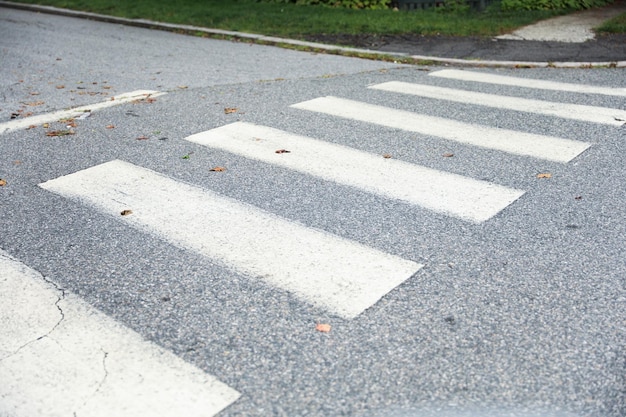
229,110
578,197
283,151
71,124
218,169
448,155
110,127
126,212
386,155
322,327
142,137
107,87
31,127
182,87
35,103
544,175
46,125
15,115
34,93
60,132
2,182
60,87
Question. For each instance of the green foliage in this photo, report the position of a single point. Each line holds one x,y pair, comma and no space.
454,7
552,4
348,4
615,25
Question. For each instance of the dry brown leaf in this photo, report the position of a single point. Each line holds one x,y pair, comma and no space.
544,175
2,182
60,132
448,155
35,103
31,127
126,212
60,87
142,137
322,327
229,110
283,151
110,126
386,155
218,169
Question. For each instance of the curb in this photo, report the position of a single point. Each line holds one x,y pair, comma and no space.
304,45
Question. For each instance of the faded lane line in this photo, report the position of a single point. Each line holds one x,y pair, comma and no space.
76,111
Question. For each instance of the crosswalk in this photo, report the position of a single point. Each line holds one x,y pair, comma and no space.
340,276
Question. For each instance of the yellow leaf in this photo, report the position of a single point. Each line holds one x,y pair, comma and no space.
218,169
544,175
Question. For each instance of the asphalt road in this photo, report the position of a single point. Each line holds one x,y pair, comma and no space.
521,314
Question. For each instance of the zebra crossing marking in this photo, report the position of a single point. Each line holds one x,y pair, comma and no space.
60,357
76,111
549,148
328,271
490,78
451,194
603,115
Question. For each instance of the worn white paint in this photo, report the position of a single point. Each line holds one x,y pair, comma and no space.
40,119
519,143
443,192
328,271
594,114
490,78
61,357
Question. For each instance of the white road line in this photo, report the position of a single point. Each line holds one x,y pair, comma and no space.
328,271
489,78
603,115
76,111
526,144
61,357
447,193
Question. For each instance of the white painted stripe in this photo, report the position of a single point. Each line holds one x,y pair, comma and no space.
76,111
61,357
447,193
603,115
483,77
331,272
527,144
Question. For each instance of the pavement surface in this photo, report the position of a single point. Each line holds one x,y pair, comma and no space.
566,41
521,315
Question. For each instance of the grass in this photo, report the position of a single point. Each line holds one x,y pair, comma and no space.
615,25
294,21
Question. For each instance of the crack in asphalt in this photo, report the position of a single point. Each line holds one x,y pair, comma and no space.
100,384
60,298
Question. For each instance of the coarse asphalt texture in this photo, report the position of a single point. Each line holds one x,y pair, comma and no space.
566,41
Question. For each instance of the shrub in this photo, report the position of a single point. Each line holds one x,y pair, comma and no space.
552,4
349,4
